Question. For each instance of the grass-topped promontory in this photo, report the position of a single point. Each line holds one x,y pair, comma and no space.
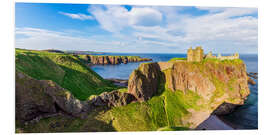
65,69
218,61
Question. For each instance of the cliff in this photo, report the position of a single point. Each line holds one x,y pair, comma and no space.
191,91
113,60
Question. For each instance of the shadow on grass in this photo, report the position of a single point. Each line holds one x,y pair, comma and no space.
66,123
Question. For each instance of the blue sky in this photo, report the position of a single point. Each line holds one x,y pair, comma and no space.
138,29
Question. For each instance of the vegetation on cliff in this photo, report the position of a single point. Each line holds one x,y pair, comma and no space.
65,69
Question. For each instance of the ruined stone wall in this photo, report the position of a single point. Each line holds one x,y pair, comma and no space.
232,57
210,55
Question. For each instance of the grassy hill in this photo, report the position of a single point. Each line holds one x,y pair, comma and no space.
65,69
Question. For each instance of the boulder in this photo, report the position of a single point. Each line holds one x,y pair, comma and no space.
112,99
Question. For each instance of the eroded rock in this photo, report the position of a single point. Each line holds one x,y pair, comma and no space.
143,83
112,99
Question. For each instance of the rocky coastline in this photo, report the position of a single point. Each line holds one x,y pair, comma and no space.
110,60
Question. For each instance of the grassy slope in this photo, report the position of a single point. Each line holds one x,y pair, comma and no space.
64,69
165,110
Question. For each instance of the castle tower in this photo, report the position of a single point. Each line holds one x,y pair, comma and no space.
195,54
199,54
190,54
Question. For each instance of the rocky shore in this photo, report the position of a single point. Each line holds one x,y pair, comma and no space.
251,77
119,82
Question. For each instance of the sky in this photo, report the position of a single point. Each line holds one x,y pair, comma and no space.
135,29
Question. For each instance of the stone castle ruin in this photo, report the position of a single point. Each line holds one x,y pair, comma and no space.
197,55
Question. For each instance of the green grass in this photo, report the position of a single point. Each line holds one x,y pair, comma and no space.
234,61
162,110
176,59
64,69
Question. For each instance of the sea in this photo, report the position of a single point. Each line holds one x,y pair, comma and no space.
244,117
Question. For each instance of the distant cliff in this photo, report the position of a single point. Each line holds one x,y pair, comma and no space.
113,60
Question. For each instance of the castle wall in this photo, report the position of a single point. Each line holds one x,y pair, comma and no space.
197,55
228,57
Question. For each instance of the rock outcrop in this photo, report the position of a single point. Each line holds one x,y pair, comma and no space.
143,82
217,83
112,99
38,98
225,108
113,60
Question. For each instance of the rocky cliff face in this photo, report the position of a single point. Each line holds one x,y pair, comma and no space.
38,97
104,60
144,82
216,83
35,98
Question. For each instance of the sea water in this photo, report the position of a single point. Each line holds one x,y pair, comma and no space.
244,117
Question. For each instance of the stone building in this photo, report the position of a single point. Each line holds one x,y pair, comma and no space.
232,57
220,57
195,55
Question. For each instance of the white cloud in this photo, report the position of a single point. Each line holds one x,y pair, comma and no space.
224,27
45,39
115,18
78,16
145,16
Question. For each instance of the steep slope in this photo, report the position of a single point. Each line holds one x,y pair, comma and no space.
64,69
